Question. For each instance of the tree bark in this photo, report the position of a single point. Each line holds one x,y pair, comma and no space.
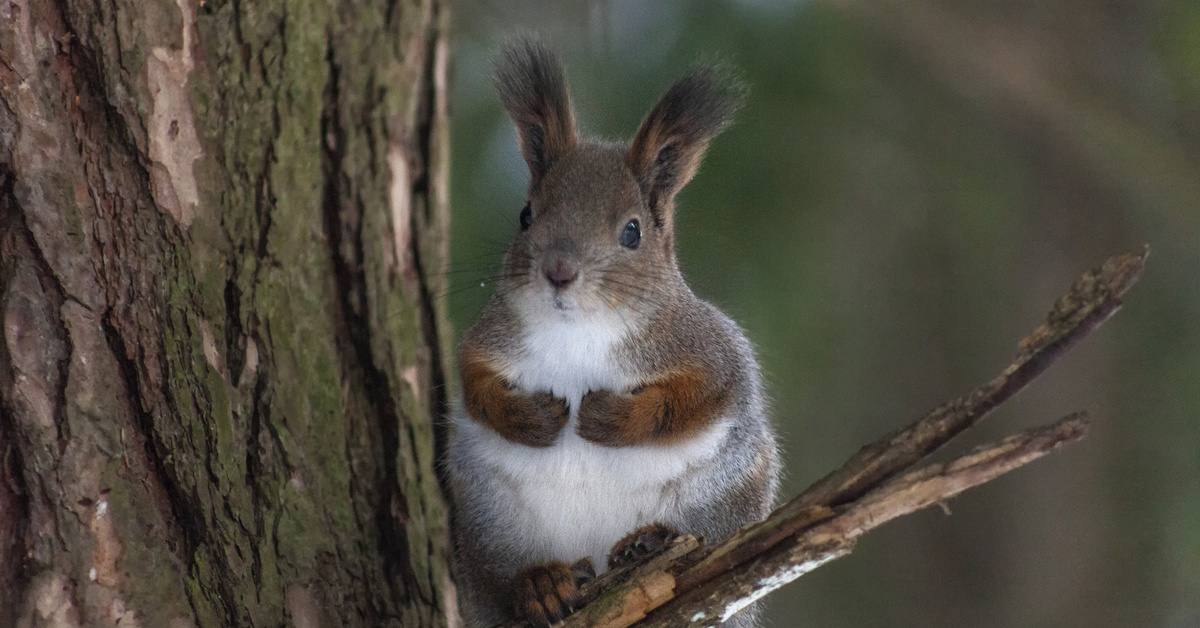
220,226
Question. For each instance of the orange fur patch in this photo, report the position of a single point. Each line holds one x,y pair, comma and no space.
672,408
527,419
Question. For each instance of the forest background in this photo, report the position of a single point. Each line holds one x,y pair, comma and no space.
909,187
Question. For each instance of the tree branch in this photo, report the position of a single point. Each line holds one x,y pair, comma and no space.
734,589
693,584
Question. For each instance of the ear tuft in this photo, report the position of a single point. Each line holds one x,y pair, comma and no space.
533,88
668,147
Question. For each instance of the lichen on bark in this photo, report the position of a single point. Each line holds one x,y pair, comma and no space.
218,401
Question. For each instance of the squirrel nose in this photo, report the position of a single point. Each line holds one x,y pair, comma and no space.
561,274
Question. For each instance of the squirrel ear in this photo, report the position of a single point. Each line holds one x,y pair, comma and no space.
668,147
533,89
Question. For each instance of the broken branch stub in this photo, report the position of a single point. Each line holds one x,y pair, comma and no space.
1092,299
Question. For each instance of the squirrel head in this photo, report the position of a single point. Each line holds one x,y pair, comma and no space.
597,231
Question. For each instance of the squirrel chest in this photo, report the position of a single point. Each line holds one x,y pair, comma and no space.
575,497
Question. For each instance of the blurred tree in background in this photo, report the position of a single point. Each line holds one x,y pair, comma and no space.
908,189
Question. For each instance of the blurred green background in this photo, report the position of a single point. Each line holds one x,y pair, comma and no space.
908,189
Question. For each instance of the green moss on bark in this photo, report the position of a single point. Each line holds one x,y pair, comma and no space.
274,373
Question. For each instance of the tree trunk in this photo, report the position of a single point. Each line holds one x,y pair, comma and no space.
222,230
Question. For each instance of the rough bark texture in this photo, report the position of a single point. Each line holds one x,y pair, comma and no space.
222,351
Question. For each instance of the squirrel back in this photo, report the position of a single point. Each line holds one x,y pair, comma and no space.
599,394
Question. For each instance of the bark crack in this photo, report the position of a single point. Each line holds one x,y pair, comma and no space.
429,323
343,224
190,524
259,407
53,344
422,186
14,493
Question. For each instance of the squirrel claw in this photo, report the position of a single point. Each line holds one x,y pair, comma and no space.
545,594
641,544
584,570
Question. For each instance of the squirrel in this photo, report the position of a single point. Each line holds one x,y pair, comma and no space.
603,404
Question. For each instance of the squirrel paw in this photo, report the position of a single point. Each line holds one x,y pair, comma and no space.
544,416
604,419
545,594
641,544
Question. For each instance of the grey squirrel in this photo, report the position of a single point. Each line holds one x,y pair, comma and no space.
603,404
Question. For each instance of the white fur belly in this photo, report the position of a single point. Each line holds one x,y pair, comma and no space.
576,499
570,357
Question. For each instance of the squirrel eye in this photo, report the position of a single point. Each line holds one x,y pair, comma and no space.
526,217
632,235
